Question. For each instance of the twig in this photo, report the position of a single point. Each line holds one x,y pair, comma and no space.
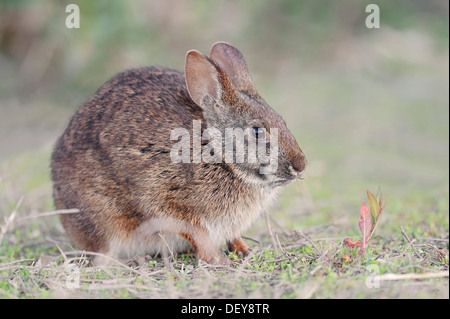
428,275
17,261
252,239
309,240
49,213
407,247
61,252
164,252
13,265
410,242
113,260
272,261
433,239
312,272
247,258
269,228
287,255
9,220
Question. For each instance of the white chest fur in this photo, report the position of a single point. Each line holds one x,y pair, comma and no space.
161,233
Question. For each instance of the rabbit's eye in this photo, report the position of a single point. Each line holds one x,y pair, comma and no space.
258,133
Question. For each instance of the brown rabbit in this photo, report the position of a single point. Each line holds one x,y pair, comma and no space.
115,161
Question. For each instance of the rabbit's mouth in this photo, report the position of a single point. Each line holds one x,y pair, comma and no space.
285,176
282,180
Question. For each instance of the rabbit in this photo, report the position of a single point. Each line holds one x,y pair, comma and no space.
113,161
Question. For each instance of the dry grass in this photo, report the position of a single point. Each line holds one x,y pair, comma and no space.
300,265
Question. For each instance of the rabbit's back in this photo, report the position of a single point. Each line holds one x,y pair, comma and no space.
115,150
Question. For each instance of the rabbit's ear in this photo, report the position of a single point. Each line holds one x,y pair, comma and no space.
232,62
202,77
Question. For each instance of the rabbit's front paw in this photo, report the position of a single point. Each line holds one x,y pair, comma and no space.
239,247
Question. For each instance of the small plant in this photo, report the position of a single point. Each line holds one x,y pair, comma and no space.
369,220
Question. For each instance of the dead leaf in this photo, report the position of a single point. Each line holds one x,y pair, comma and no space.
352,243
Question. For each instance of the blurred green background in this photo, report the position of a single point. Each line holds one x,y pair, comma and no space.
369,107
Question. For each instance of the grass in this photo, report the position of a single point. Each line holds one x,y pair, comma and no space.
303,268
307,260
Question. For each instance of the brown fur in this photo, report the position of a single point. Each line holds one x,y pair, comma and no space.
113,160
238,246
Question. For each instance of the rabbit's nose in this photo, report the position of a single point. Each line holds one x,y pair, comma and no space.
298,164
